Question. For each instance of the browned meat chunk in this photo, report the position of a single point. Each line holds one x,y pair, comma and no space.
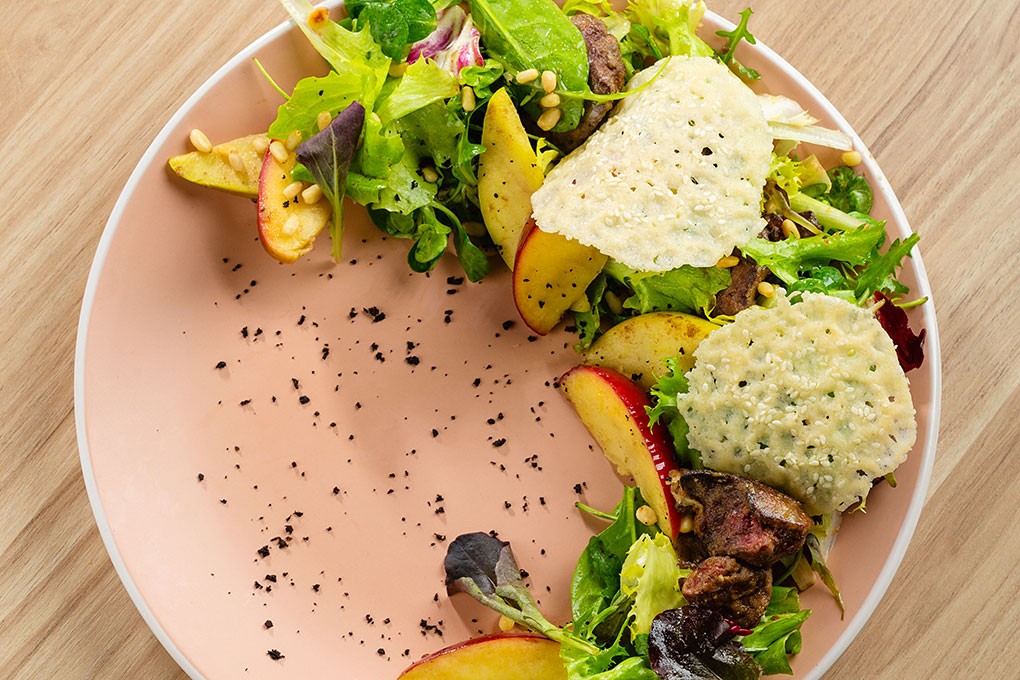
746,275
606,75
744,519
738,592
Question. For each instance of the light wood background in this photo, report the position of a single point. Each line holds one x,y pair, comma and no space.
931,86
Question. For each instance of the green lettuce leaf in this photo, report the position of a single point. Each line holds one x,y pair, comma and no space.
423,83
778,635
661,28
651,576
880,273
786,259
332,93
686,289
849,192
664,408
582,666
395,24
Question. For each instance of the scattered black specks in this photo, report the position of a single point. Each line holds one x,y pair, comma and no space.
301,320
304,399
245,402
336,490
577,488
268,624
374,312
295,383
275,655
507,325
221,364
264,551
244,332
201,477
499,442
381,651
440,537
413,360
223,501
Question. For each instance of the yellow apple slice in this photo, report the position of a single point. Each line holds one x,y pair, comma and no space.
639,346
494,657
612,407
550,274
508,174
216,170
287,227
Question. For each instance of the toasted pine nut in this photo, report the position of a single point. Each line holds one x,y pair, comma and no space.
397,70
467,98
686,524
292,190
548,81
200,141
430,175
727,262
260,144
527,75
766,289
235,161
506,625
292,225
790,229
293,140
646,515
851,158
548,120
550,101
279,151
323,120
312,194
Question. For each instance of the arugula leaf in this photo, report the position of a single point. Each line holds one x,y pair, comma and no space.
331,93
664,394
728,54
787,258
778,635
686,289
526,34
327,156
423,83
879,275
395,24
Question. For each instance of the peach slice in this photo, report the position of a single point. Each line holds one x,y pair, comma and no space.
287,227
612,407
550,274
508,174
494,657
216,170
639,346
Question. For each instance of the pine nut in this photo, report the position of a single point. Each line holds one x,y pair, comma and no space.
312,194
548,81
686,524
430,175
397,70
293,140
291,226
506,625
790,229
527,76
646,515
550,101
291,191
323,120
766,289
851,158
235,161
547,121
317,18
727,262
260,144
200,141
279,151
467,98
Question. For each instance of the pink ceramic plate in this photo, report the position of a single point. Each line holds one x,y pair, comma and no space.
296,444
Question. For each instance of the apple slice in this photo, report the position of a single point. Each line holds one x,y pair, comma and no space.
287,228
506,657
508,174
550,274
214,169
612,407
639,346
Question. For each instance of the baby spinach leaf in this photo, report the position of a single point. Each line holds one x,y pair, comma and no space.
394,23
526,34
331,93
327,156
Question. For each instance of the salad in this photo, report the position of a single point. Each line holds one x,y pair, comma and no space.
741,329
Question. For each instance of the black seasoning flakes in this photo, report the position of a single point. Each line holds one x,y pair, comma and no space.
374,312
201,477
499,442
275,655
303,399
221,365
507,325
268,624
264,551
413,360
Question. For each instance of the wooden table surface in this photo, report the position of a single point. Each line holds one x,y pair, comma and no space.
931,86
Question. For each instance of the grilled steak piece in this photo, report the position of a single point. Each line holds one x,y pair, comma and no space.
746,275
741,518
606,75
738,592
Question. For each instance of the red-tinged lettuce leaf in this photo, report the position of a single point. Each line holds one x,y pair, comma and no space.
327,156
909,347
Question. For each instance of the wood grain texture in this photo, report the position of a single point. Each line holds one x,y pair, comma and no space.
931,88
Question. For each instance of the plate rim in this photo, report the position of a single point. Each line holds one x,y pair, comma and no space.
914,508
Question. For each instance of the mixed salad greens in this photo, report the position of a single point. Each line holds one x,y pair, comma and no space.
396,125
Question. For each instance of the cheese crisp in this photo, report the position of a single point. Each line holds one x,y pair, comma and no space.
808,398
673,177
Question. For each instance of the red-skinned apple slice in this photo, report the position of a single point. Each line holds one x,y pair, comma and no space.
639,346
506,657
612,407
287,227
551,273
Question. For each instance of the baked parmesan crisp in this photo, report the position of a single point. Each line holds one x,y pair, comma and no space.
808,398
673,177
